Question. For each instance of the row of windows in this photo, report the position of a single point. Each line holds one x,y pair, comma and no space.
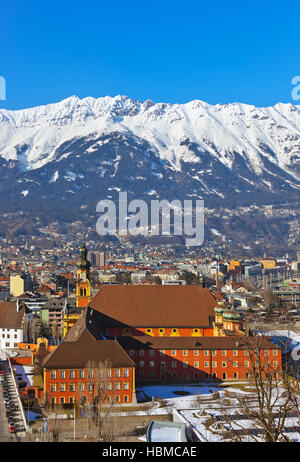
83,373
8,336
90,386
162,331
196,375
11,345
71,399
194,352
196,364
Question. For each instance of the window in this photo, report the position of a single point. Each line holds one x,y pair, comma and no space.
81,374
125,385
90,386
246,363
235,352
162,364
275,363
152,363
53,374
72,374
214,364
161,331
62,374
214,375
149,331
118,399
246,353
223,352
62,399
173,353
81,387
142,363
196,364
267,352
206,364
71,399
174,363
185,353
205,352
235,375
174,331
117,386
126,399
196,331
72,387
224,375
131,352
185,364
15,345
117,373
109,386
224,364
151,375
196,352
214,352
151,353
90,373
196,375
15,336
274,352
125,372
162,352
108,373
62,387
53,387
141,352
235,364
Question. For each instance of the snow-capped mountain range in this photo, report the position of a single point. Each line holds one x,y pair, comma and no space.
82,150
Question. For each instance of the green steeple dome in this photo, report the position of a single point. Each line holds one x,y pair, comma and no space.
83,262
219,309
231,314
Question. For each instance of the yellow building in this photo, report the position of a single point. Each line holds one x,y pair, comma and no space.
268,262
18,285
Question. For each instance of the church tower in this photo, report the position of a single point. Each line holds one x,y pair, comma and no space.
83,284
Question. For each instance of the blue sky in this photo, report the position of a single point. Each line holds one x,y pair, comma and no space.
164,50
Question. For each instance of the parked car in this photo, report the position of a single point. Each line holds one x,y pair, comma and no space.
12,429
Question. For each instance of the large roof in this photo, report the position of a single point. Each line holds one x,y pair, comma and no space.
86,348
10,318
154,306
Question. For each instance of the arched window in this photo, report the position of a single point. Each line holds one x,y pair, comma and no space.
81,292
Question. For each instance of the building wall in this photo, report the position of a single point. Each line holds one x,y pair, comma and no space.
195,365
122,393
10,338
17,286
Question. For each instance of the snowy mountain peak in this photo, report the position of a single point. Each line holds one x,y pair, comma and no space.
263,142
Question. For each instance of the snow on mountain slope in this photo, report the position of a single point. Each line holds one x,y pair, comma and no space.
32,136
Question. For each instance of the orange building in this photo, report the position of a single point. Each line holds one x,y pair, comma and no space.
71,372
153,333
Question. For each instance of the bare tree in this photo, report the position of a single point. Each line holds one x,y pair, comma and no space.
275,397
99,409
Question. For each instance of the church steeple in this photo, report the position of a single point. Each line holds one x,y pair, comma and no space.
83,285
